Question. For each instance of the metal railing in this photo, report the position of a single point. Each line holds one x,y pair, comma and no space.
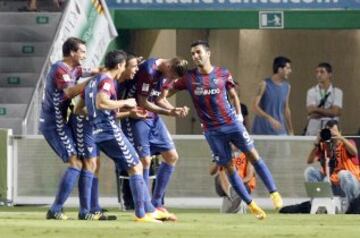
31,119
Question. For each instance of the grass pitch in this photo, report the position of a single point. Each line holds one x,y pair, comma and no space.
30,222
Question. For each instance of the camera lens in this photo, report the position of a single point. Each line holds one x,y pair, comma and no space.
325,134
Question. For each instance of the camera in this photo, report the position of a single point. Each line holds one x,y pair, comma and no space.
325,135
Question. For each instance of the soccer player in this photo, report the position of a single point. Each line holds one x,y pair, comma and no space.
60,88
89,152
209,86
102,105
150,136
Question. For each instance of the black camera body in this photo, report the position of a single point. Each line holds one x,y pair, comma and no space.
325,135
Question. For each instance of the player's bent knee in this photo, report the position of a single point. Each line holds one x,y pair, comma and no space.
170,157
90,165
137,169
146,162
75,162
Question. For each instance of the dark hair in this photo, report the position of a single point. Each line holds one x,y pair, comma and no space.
204,43
71,44
179,66
331,123
129,56
326,66
115,57
280,62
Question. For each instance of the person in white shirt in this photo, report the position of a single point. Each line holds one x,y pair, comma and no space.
323,101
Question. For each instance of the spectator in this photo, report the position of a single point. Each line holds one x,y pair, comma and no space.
271,104
323,101
32,5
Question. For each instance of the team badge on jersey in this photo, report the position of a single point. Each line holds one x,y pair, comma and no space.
145,87
139,148
106,86
66,77
86,72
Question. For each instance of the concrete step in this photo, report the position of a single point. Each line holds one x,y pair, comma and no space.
10,33
21,64
24,49
29,18
12,110
18,79
13,123
14,5
16,95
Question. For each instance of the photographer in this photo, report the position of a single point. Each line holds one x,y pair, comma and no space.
339,163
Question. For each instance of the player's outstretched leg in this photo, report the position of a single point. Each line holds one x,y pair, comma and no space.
85,184
239,187
257,211
138,186
67,184
264,173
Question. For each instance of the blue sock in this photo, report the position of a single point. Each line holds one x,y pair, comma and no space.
85,183
94,204
147,200
162,180
137,189
265,175
146,174
239,187
66,185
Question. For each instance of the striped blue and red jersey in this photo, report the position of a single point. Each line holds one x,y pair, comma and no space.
103,120
55,103
148,82
209,95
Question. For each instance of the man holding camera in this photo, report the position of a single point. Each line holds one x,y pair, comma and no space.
339,162
323,101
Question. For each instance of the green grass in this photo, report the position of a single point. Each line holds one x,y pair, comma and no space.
30,222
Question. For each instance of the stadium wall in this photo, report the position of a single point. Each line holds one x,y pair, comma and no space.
248,53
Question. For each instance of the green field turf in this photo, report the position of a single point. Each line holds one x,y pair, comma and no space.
29,222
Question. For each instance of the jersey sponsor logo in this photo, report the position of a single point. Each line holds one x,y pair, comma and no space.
145,87
97,131
85,71
155,93
107,86
66,77
201,91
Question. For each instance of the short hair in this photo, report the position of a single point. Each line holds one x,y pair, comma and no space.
204,43
115,57
326,66
71,44
179,66
280,62
331,123
129,56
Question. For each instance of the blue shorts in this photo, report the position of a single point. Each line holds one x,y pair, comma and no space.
120,151
150,136
84,139
219,140
61,141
